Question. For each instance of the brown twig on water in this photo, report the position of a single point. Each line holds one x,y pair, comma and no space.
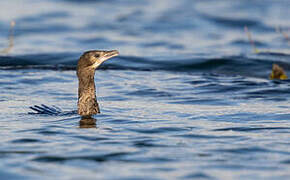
10,38
251,40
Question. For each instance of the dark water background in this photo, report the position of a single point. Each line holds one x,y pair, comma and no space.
186,98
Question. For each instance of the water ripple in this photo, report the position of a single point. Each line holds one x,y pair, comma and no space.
99,158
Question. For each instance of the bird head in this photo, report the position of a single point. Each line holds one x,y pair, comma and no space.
93,59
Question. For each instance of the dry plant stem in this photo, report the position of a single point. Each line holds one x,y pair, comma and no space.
285,35
250,40
278,73
11,39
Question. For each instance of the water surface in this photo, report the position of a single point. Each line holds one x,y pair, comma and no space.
186,98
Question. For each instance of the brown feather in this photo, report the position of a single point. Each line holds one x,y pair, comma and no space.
87,64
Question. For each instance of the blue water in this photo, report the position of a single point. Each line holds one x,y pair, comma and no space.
186,99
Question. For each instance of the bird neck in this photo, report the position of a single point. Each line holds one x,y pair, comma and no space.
87,101
86,83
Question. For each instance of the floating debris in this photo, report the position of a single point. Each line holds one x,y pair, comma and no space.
278,73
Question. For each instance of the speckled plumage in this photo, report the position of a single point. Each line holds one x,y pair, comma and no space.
87,64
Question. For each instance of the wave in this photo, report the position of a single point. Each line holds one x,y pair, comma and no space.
253,65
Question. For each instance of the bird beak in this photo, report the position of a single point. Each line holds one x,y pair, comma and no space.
105,56
109,54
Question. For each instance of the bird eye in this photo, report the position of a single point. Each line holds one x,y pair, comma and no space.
97,55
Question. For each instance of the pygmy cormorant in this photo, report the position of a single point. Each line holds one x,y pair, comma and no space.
87,100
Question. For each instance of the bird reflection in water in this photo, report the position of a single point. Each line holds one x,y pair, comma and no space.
87,122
